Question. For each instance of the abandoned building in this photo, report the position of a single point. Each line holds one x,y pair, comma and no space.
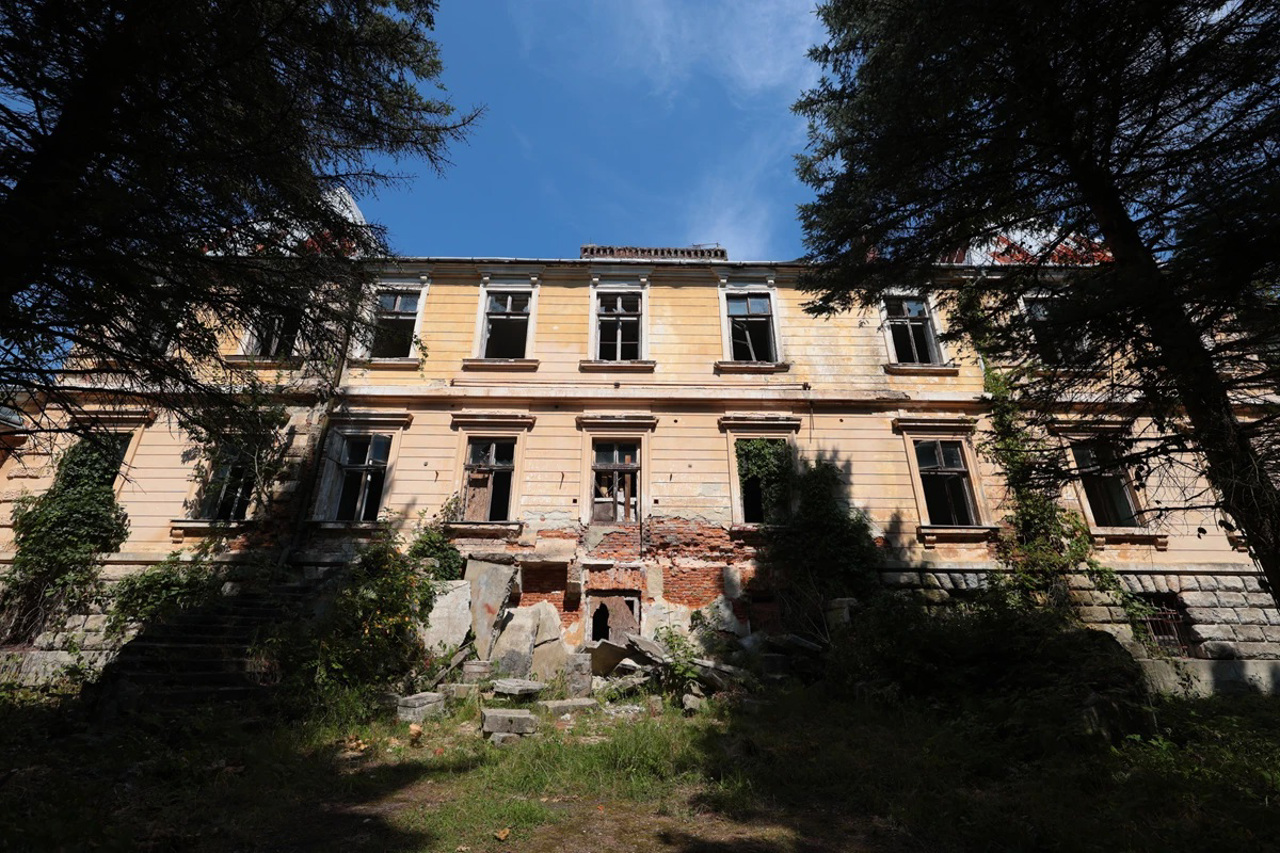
582,418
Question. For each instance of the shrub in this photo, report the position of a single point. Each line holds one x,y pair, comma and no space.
58,538
161,590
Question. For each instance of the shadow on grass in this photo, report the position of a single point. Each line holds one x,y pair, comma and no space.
856,774
201,781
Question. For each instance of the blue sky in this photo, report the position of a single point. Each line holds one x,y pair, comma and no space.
638,122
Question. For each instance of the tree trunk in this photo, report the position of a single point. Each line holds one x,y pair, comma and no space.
1233,466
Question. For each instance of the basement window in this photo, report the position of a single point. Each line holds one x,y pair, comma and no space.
751,327
362,473
616,482
944,478
394,322
1167,625
490,469
506,324
1107,491
618,318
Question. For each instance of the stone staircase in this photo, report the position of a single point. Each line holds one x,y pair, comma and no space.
204,655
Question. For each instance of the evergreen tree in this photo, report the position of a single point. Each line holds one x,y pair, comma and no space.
1130,149
174,173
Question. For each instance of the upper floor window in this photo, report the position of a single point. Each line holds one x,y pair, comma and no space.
1107,491
229,490
1054,344
615,471
490,468
361,473
506,323
618,321
751,326
395,320
911,331
944,478
274,335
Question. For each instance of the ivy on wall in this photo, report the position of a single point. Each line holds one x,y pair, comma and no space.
59,537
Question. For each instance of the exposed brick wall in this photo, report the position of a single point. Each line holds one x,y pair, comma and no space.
547,583
615,578
681,537
692,586
621,544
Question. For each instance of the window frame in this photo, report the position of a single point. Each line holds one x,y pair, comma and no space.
600,288
493,285
1121,472
958,429
636,429
420,289
932,322
491,466
250,342
495,426
203,499
742,427
748,288
392,424
1060,360
637,468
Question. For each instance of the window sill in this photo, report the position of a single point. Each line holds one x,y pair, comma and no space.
508,531
752,366
598,366
921,370
410,362
506,364
1104,536
259,362
933,534
363,528
181,528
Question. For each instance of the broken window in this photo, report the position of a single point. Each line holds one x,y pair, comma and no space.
911,329
1167,624
616,488
751,326
1054,344
506,324
229,490
362,472
274,335
948,494
618,319
1106,488
614,616
394,320
491,465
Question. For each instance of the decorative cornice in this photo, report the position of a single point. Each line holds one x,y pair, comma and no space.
123,417
492,420
749,422
620,421
372,418
937,423
1092,426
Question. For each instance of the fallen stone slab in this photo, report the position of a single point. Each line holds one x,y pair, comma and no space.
605,656
419,706
503,738
577,670
512,651
651,648
460,691
450,620
568,706
517,687
692,704
490,588
508,721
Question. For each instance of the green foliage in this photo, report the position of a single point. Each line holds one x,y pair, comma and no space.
1028,674
430,542
771,462
680,674
159,591
58,538
824,549
366,641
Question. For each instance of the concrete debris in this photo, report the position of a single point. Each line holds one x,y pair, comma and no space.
450,621
577,670
491,585
503,738
517,687
419,706
605,656
476,671
793,643
460,692
508,721
567,706
692,704
654,650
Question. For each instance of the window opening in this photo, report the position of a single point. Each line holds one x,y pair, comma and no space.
911,329
948,494
506,324
275,335
229,491
1051,344
616,471
1167,624
618,319
362,473
764,466
491,464
1106,488
750,326
396,315
615,616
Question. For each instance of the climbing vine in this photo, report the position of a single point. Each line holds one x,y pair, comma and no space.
770,462
59,537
